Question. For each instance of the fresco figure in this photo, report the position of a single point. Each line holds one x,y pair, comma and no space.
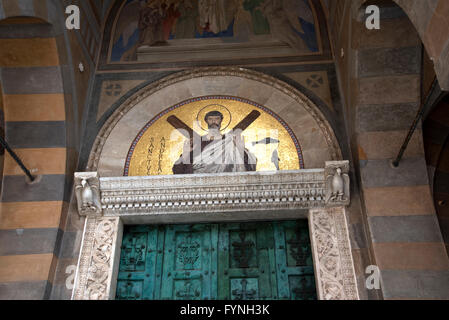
259,21
237,137
188,22
171,14
128,22
154,22
243,24
280,25
213,15
150,25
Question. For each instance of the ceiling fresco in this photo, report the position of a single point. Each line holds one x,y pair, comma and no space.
167,30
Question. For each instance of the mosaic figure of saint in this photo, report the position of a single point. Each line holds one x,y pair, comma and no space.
216,152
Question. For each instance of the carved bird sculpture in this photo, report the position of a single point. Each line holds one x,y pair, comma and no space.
87,195
337,186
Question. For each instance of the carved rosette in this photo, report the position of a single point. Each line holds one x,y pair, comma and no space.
332,255
96,259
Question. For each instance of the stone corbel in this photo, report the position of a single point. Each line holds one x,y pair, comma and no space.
87,190
337,183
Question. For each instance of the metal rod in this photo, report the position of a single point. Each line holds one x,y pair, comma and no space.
418,117
16,158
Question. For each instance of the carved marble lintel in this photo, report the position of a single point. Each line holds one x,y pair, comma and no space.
337,183
302,189
87,191
248,191
95,267
332,255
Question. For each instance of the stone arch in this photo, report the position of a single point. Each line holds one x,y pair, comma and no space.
387,98
47,11
429,19
317,138
35,100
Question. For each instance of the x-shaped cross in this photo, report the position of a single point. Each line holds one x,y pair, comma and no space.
188,132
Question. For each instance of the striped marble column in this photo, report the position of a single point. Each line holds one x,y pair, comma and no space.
34,107
406,238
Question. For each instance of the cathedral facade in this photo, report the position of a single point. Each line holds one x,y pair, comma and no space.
244,149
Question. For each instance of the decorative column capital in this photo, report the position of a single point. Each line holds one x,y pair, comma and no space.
87,191
337,183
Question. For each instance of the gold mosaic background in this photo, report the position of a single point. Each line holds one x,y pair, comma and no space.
161,144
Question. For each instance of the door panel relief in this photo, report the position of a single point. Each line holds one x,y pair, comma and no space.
237,261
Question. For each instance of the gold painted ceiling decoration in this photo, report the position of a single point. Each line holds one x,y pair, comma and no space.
159,145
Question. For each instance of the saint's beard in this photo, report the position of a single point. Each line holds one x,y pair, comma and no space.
214,130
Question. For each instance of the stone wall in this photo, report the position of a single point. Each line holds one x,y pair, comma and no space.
44,95
31,215
431,20
436,137
380,76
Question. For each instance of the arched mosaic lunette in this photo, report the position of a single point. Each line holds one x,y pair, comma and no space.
222,97
255,76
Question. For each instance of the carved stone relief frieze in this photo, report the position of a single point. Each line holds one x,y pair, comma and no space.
334,266
96,264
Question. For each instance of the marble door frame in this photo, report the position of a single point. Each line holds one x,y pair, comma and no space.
215,198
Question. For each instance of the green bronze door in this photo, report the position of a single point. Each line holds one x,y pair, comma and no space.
139,263
294,265
246,264
240,261
190,263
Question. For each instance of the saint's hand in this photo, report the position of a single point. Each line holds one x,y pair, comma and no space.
239,142
188,146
